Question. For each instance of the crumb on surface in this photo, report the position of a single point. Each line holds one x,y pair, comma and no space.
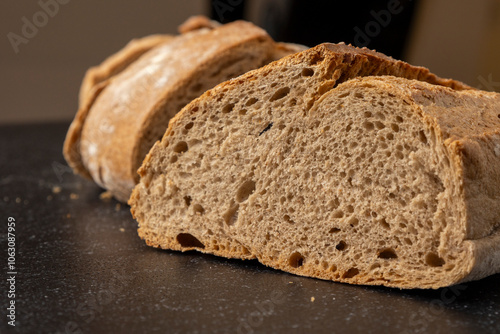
312,299
122,229
105,196
73,196
56,189
68,215
118,206
18,200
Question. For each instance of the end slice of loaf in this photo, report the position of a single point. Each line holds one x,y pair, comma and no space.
372,180
124,116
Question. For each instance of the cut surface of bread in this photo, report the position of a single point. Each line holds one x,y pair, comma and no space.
118,124
372,180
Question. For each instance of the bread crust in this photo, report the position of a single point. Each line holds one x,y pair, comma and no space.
471,141
118,62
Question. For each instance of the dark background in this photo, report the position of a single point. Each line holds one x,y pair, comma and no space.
454,38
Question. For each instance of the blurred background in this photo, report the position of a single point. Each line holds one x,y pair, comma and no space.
42,65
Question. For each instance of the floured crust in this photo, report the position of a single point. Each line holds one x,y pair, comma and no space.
118,62
473,149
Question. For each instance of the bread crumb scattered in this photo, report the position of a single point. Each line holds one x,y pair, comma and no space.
49,198
312,299
105,196
68,215
18,200
56,189
73,196
118,206
122,229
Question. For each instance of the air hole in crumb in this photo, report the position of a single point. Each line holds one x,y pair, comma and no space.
181,147
338,214
173,159
251,101
368,126
422,137
433,260
399,119
296,260
189,241
242,112
387,253
334,230
189,125
228,108
280,93
351,273
341,245
231,215
188,200
267,128
358,95
245,190
395,127
288,220
353,221
333,204
384,223
379,125
197,208
309,72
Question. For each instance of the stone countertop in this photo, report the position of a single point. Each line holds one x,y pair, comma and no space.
81,268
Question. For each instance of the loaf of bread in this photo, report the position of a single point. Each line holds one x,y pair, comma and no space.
325,164
126,108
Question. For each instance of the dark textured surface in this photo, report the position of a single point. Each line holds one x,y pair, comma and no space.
83,269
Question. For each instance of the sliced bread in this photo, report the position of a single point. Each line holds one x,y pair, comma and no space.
123,116
372,180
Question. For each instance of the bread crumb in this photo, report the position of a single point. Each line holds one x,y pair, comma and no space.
312,299
290,282
122,229
118,206
68,215
105,196
18,200
49,198
73,196
56,189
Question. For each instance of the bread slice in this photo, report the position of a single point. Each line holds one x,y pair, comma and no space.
374,180
118,62
118,124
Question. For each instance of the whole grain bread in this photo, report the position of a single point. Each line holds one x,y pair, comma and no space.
313,167
123,116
